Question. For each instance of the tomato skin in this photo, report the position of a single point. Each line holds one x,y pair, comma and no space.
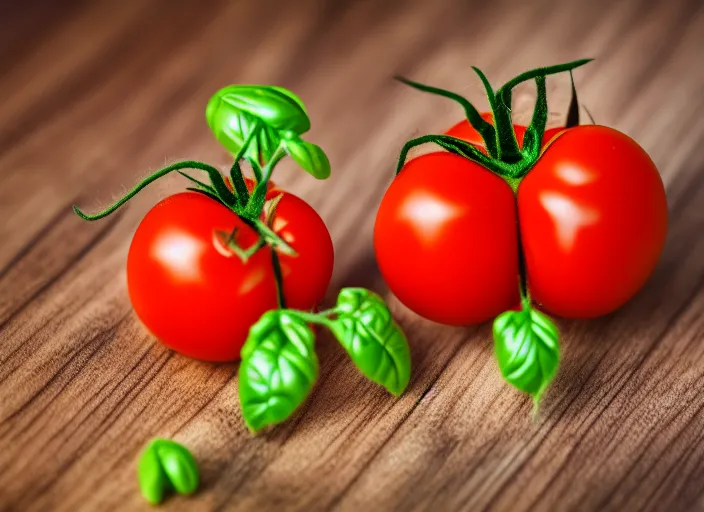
446,240
465,131
593,216
200,301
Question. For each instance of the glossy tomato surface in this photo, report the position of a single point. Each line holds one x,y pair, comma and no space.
446,240
199,298
465,131
593,216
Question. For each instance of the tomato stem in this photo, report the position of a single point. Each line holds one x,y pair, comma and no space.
320,318
278,279
522,269
275,158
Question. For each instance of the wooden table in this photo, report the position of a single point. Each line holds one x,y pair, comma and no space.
96,93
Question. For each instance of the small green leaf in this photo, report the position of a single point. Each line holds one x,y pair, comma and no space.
278,370
235,111
164,466
374,341
309,156
527,349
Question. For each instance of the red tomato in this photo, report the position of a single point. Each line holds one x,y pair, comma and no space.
446,240
201,300
593,222
593,219
465,131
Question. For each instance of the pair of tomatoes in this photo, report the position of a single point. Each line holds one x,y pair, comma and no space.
590,218
201,299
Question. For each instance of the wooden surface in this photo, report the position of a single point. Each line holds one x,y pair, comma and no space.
96,93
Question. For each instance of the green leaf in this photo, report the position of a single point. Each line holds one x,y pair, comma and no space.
235,111
164,466
310,157
527,349
278,370
374,341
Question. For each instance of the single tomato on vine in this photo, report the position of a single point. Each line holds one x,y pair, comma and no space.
235,269
200,298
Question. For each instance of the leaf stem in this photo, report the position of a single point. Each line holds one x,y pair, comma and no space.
313,318
275,159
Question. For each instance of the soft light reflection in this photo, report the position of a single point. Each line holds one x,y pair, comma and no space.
252,279
574,175
568,216
428,212
179,253
278,226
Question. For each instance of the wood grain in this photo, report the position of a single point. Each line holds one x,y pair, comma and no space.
96,93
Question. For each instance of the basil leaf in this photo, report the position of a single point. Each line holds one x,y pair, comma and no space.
234,111
164,466
310,157
374,341
278,370
527,349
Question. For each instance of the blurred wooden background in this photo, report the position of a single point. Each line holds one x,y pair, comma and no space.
93,94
